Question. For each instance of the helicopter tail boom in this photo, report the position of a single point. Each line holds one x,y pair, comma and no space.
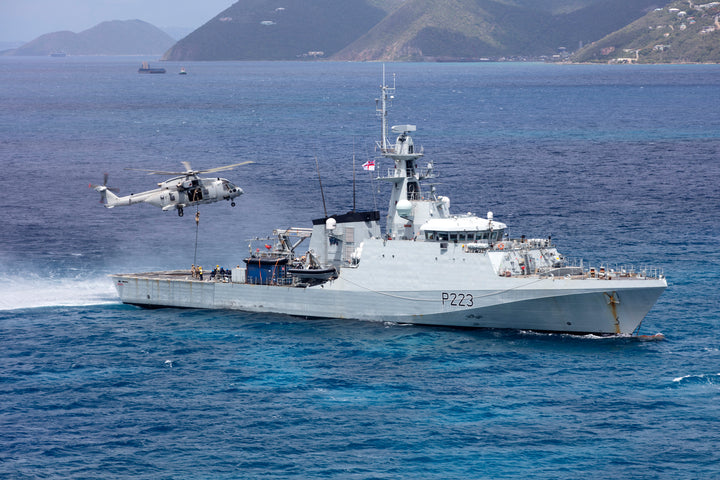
107,197
110,199
106,193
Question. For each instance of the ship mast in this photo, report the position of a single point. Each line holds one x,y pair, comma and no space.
409,207
387,93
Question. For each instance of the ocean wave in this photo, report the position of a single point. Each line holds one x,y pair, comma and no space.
701,379
34,291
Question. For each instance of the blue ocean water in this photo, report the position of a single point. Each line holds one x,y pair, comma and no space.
617,163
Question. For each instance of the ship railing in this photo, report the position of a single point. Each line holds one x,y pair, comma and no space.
568,267
528,243
278,280
391,173
389,149
520,243
421,196
293,231
615,270
574,267
423,173
272,254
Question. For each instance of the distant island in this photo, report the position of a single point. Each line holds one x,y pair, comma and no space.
129,37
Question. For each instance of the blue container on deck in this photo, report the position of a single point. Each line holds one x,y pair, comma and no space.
266,270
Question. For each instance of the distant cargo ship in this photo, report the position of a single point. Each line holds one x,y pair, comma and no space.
145,68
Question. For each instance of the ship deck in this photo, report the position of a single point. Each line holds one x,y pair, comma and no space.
186,275
164,275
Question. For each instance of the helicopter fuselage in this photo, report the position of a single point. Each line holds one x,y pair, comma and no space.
178,193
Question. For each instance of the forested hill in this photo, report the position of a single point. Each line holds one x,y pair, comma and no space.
681,32
280,30
421,30
474,29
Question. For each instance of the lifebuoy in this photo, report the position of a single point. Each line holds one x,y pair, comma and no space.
501,246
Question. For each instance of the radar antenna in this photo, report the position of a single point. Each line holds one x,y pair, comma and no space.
387,94
322,193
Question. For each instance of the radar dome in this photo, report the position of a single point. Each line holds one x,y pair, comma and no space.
404,208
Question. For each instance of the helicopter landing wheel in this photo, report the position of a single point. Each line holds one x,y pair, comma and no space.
232,204
180,212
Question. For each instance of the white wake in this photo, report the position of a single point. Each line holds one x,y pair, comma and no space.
34,291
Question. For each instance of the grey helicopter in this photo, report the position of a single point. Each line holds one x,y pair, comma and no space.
176,193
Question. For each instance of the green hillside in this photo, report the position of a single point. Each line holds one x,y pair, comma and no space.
680,32
473,29
420,30
286,30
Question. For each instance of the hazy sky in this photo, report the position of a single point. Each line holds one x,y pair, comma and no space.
24,20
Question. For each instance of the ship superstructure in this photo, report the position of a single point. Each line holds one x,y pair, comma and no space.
428,267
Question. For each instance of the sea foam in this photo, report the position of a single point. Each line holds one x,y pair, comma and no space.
34,291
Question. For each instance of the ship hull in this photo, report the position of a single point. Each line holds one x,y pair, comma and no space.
571,306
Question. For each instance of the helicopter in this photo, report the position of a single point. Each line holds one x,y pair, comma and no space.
176,193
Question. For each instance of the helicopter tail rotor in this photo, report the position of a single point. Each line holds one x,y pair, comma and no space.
104,191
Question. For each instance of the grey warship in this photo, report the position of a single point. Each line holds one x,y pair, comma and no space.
429,267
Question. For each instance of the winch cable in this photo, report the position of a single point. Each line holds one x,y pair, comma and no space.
197,229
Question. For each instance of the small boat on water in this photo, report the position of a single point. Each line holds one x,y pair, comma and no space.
182,71
429,267
145,68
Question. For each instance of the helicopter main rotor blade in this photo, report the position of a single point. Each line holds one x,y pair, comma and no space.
156,172
189,171
226,167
